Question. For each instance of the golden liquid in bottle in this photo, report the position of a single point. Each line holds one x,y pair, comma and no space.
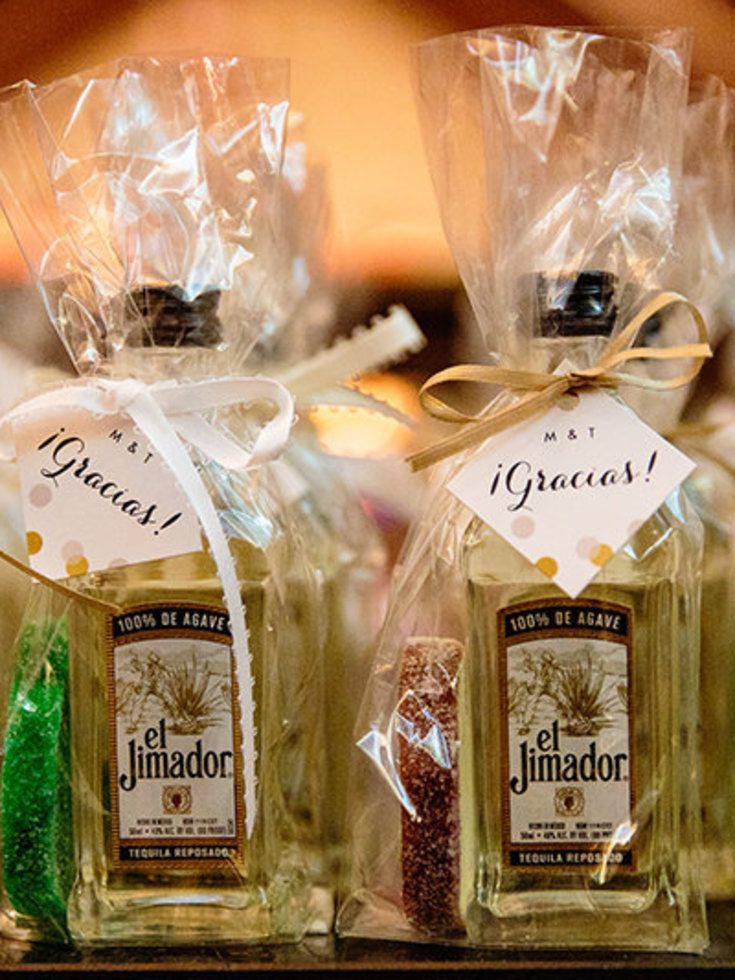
600,904
633,884
260,892
351,570
711,489
247,899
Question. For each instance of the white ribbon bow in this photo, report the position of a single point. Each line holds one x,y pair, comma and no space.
168,413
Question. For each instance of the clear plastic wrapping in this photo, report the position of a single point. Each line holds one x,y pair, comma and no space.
37,847
348,550
148,173
705,258
556,157
338,535
300,307
590,127
145,196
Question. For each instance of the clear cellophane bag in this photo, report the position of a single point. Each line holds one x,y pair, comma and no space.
556,159
145,195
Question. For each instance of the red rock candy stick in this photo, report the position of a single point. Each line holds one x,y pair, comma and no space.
429,769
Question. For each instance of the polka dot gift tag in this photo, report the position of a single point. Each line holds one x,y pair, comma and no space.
569,488
96,496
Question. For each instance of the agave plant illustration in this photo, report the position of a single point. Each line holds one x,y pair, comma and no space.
579,698
524,696
522,704
190,697
135,691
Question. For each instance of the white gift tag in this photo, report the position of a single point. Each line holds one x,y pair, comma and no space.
95,496
569,488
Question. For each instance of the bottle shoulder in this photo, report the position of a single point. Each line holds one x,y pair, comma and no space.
194,571
668,545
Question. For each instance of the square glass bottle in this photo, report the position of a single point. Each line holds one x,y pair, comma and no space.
578,725
161,852
530,776
124,186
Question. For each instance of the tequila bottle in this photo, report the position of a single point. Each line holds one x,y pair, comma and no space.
161,851
349,551
711,490
344,548
579,824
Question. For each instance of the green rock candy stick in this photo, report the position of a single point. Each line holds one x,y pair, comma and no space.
35,796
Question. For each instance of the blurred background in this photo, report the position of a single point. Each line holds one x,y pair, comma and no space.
350,77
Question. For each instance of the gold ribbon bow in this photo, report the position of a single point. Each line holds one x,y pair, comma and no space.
542,390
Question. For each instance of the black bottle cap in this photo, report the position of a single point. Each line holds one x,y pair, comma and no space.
164,318
576,306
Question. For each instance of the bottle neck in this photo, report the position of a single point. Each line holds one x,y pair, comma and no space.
168,335
659,409
547,353
153,363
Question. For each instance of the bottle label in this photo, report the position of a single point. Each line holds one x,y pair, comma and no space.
175,773
567,745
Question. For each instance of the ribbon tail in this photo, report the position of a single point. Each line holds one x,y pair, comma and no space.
208,440
155,426
477,432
